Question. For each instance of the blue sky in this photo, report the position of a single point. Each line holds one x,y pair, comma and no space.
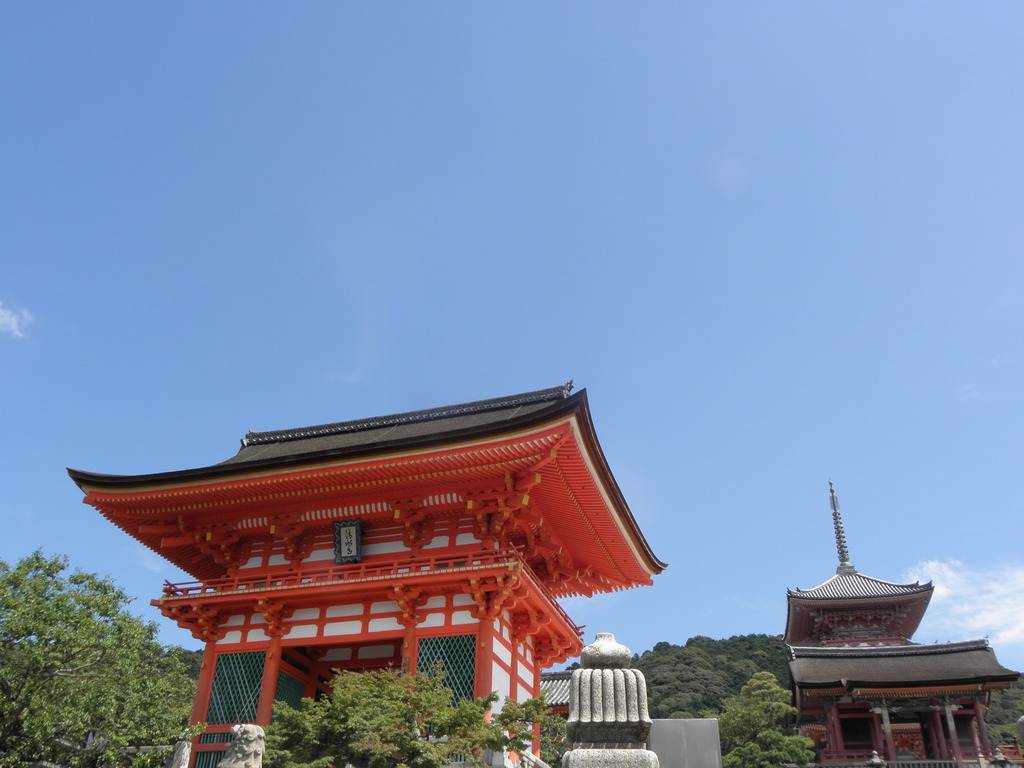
778,243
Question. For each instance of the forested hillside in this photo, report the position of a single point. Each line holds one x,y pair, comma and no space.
690,680
1004,709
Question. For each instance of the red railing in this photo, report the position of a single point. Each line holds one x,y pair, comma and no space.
354,573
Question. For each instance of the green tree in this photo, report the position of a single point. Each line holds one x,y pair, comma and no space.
80,678
391,719
756,726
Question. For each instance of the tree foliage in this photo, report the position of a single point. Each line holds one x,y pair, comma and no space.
1005,707
80,678
391,719
685,681
756,726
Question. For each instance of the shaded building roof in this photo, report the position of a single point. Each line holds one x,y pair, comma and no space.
555,687
903,666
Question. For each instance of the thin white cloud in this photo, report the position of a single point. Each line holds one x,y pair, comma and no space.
145,558
14,321
970,603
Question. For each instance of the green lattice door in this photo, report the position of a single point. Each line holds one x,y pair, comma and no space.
289,690
457,655
236,687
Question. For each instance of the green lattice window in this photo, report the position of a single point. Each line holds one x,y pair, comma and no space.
208,759
236,687
457,655
289,690
214,738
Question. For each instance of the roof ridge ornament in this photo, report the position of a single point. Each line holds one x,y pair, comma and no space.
845,567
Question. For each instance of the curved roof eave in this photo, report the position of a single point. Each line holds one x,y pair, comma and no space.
451,429
856,586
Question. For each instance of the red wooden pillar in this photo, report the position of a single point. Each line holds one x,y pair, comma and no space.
888,743
979,718
268,688
878,741
940,743
313,680
536,692
954,740
484,654
205,683
834,730
409,648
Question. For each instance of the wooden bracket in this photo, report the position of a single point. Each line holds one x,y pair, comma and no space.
298,543
276,614
199,619
409,599
492,596
412,515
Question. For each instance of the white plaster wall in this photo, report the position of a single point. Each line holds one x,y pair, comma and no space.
387,624
320,554
342,628
383,547
337,611
432,620
376,652
502,652
500,682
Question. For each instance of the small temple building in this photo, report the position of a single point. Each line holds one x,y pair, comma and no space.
861,686
444,535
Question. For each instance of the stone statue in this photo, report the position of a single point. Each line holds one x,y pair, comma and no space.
608,721
182,753
245,750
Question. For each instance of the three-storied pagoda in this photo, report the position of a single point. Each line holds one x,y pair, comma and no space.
861,686
446,534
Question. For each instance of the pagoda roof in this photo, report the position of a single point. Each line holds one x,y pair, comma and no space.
848,584
970,662
850,590
354,465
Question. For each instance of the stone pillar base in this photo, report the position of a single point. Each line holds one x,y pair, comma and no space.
609,758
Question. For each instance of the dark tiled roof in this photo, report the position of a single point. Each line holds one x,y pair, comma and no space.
555,687
399,427
853,585
970,661
411,417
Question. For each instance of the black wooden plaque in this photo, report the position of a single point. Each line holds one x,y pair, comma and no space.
348,541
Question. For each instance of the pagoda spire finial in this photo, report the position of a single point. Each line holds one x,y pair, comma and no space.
837,522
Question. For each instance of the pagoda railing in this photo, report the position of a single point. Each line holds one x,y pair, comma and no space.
354,573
